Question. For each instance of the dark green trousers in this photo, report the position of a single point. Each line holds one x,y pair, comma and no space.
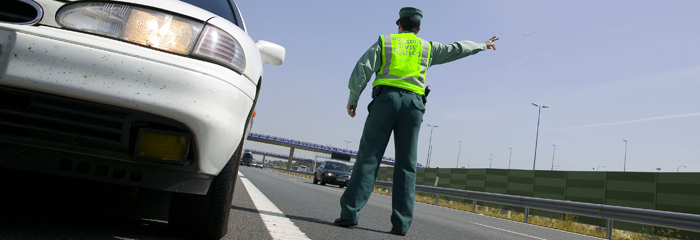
400,111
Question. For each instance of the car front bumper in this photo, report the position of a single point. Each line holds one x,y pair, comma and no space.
336,179
208,101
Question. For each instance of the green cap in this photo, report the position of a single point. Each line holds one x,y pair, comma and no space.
410,12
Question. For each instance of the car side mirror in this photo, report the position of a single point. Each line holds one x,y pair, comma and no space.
270,53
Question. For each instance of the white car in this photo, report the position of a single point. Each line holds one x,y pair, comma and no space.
155,94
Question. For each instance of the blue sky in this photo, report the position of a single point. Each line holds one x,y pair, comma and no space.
609,70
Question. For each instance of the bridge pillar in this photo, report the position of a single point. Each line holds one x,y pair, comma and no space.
291,156
264,159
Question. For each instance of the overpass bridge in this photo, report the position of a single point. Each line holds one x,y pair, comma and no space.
296,144
277,155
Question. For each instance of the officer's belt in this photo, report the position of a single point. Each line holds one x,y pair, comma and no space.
381,88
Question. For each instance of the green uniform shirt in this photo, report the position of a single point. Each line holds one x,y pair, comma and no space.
371,61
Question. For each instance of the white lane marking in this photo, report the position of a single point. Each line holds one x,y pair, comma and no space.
508,231
278,225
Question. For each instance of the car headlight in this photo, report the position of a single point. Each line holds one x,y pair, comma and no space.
329,174
154,29
137,25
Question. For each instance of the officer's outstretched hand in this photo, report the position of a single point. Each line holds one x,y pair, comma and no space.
490,44
351,110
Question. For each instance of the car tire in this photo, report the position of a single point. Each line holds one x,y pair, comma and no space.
323,182
206,216
341,186
315,180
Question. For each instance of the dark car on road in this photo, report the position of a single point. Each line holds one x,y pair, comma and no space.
332,172
247,159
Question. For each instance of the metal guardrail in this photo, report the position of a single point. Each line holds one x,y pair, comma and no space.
683,221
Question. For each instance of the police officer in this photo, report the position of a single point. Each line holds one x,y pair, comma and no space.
400,62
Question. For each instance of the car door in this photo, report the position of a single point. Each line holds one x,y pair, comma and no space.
319,170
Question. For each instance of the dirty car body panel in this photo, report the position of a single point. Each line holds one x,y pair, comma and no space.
75,103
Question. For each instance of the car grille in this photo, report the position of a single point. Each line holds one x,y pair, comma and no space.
20,12
47,121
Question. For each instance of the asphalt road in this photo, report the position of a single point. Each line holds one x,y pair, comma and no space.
43,207
313,208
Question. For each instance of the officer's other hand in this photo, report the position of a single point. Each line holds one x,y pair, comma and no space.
351,110
490,44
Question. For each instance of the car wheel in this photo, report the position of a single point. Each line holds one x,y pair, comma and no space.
323,182
206,216
315,180
341,186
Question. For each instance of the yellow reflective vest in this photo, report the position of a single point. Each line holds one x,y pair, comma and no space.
405,59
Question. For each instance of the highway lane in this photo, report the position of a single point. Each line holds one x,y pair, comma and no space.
312,208
34,206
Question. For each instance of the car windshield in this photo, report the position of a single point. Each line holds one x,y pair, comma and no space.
337,167
222,8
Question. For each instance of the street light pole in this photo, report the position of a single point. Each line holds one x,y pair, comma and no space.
491,160
679,167
510,158
537,136
624,167
346,144
458,152
599,167
430,145
553,151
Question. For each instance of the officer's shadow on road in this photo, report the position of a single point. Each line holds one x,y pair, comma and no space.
307,219
328,186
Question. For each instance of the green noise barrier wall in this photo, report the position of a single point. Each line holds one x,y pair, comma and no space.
675,192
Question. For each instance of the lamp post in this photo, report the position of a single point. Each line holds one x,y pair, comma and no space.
679,167
458,152
624,167
510,158
599,167
430,145
658,169
491,160
346,144
553,151
537,136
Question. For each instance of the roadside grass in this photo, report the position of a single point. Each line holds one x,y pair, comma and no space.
568,223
